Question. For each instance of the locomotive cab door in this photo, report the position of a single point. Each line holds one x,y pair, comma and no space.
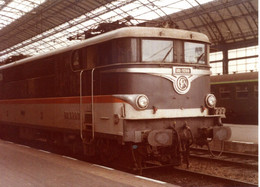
86,105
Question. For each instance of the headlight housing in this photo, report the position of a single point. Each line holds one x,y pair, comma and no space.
211,101
142,102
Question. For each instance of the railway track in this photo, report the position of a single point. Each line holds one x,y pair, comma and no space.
230,169
223,180
249,161
233,169
190,177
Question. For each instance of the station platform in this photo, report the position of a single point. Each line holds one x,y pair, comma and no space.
25,166
244,133
244,139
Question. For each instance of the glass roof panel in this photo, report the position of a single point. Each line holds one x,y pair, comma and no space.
57,37
17,8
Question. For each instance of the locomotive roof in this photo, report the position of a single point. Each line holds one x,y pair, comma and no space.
121,33
234,78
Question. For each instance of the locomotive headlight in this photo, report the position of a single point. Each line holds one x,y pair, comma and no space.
142,101
211,101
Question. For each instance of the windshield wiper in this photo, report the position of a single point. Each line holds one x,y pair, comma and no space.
167,54
199,58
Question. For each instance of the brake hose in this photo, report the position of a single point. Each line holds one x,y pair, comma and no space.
221,149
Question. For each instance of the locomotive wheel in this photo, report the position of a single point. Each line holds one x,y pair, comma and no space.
107,150
77,147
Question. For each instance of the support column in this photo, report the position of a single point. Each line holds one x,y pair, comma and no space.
225,61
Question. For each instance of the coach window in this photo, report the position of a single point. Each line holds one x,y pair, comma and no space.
224,93
194,53
256,90
242,92
157,50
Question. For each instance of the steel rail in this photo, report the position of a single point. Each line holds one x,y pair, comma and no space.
230,182
226,161
237,154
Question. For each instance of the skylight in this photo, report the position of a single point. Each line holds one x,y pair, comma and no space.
16,9
141,10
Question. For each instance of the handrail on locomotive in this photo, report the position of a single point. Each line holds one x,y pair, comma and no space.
82,121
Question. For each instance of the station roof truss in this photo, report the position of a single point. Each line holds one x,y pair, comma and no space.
35,26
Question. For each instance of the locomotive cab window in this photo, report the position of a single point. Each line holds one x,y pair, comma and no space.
194,53
157,50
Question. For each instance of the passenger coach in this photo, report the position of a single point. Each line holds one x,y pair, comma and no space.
238,93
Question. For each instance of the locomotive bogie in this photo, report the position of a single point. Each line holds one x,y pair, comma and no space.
137,130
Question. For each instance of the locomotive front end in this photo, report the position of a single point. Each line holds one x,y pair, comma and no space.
168,105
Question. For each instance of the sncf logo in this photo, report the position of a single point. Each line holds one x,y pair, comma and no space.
182,85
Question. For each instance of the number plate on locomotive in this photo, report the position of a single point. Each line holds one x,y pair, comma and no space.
182,70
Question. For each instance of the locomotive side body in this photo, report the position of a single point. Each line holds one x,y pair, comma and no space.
143,88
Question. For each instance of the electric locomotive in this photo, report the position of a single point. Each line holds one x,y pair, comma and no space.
143,91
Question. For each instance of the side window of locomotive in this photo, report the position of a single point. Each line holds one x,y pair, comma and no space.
124,50
79,59
76,60
92,56
157,50
194,53
225,92
242,91
105,53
